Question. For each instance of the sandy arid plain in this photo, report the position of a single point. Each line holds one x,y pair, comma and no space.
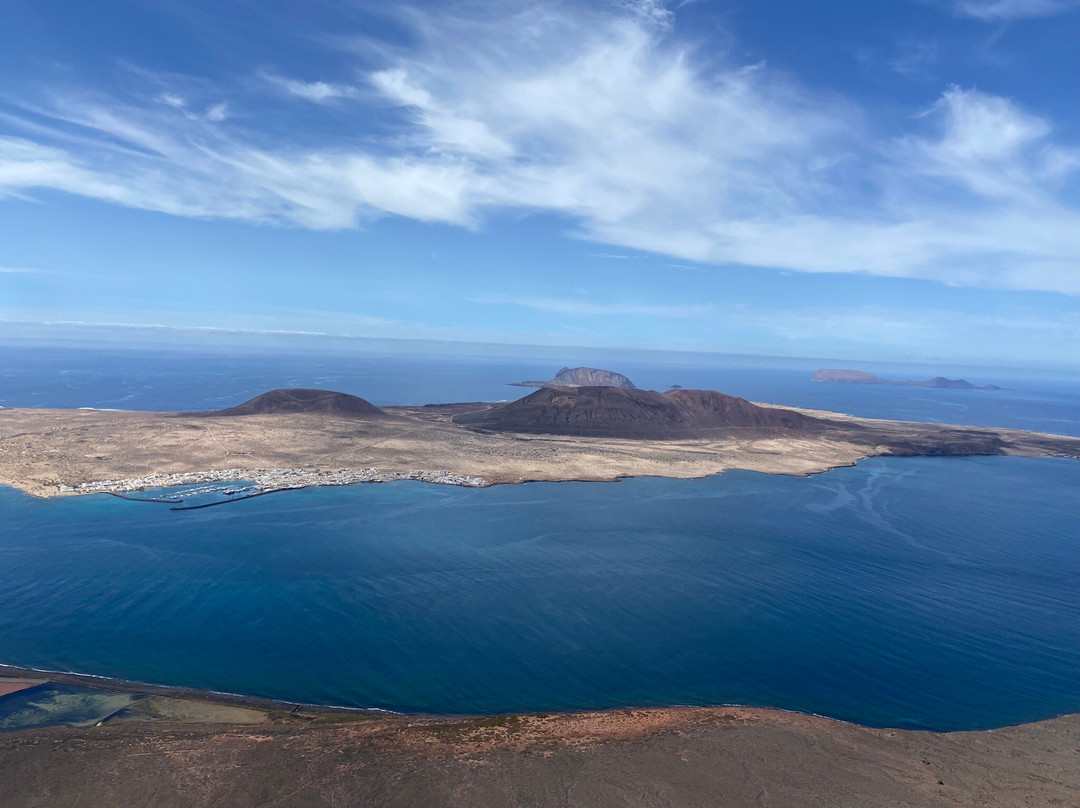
42,450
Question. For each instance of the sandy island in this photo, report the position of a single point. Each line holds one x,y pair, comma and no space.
54,452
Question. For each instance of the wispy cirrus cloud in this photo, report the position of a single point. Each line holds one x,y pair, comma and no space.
217,112
1022,336
997,10
319,92
19,270
214,112
608,117
583,307
880,325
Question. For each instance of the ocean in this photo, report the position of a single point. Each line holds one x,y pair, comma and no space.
174,380
934,593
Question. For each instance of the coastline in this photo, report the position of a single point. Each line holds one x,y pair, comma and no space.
116,685
119,685
176,748
300,479
49,453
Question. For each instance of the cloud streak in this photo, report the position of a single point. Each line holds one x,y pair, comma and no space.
318,92
579,307
18,270
997,10
608,117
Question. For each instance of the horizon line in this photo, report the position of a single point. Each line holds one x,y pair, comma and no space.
303,341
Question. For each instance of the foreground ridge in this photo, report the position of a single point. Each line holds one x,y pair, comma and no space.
176,748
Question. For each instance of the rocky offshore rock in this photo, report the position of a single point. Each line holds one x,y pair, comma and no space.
582,377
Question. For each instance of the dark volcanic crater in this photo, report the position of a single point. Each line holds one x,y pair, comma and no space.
300,400
633,413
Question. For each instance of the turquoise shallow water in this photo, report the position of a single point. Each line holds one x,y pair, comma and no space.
53,705
935,593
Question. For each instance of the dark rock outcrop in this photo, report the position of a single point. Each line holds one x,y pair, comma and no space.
944,442
633,413
300,400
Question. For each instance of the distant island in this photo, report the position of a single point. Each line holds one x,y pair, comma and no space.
293,438
582,377
835,376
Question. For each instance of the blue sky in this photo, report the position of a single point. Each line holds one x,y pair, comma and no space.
896,180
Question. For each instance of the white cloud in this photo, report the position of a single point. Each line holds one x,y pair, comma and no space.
882,325
214,112
653,12
994,10
610,120
18,270
319,92
442,129
992,148
217,112
1019,336
172,100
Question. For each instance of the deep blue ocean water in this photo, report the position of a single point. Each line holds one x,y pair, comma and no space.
937,593
922,592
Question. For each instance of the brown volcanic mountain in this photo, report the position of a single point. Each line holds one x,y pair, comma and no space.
582,377
633,413
299,400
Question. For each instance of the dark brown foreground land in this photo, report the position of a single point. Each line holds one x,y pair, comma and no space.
186,749
660,757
